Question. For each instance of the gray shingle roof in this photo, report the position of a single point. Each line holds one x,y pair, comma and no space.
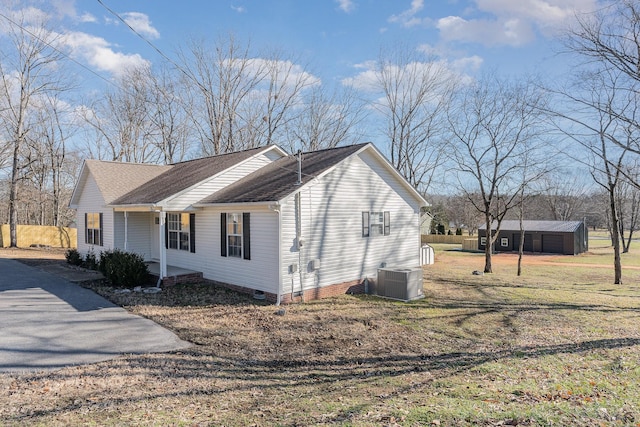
181,176
115,179
279,178
534,225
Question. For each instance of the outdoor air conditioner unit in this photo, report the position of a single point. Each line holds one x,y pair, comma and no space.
399,283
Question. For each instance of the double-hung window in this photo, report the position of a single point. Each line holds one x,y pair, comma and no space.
376,224
93,228
235,235
181,231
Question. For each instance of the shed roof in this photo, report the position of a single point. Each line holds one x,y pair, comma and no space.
183,175
536,225
279,178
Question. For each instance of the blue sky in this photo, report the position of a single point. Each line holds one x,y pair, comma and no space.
334,39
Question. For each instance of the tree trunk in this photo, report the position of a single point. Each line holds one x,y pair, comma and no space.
13,196
520,246
615,237
487,247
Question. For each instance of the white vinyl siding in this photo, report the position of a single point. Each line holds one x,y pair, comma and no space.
260,272
91,201
332,226
139,235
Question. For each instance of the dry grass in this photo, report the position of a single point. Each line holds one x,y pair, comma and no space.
558,346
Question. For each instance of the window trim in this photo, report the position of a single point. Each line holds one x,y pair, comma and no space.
504,242
483,240
245,235
95,218
185,233
368,224
232,251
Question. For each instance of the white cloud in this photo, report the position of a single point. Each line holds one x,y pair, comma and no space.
98,53
67,8
408,18
239,9
346,5
368,79
30,16
499,22
87,17
469,63
514,32
141,23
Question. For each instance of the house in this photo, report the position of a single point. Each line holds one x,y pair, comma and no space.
259,220
560,237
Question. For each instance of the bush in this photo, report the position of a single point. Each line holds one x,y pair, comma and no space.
73,257
90,260
123,269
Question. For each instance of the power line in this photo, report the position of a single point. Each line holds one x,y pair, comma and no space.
58,50
154,47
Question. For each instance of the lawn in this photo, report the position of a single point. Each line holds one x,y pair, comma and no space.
559,345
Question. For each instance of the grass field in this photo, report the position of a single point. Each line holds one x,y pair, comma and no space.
559,345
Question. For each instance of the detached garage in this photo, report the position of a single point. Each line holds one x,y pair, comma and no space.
556,237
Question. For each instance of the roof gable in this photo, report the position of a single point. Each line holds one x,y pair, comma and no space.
184,175
115,179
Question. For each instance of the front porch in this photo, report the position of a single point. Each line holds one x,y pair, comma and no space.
175,275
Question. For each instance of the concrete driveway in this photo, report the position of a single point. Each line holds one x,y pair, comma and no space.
47,322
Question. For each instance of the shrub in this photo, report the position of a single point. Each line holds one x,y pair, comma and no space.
123,269
73,257
90,260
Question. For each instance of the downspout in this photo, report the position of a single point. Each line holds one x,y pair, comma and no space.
276,209
299,242
163,251
126,230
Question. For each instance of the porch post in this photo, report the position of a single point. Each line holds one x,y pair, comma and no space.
163,250
126,230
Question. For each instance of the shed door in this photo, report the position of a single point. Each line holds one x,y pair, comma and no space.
553,243
528,242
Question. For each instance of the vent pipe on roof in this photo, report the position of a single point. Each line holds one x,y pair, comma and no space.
299,167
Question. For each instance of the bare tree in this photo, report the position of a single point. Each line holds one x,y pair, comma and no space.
413,93
462,212
47,159
121,120
587,114
280,96
167,108
29,71
326,120
494,125
628,203
608,41
563,195
221,78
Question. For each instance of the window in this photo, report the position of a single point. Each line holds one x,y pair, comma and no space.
93,228
483,241
235,235
376,224
181,231
504,242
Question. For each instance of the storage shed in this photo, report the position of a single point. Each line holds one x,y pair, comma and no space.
557,237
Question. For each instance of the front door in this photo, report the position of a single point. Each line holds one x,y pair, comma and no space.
155,237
